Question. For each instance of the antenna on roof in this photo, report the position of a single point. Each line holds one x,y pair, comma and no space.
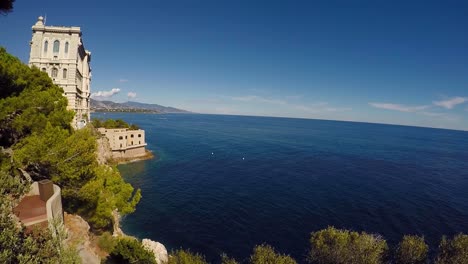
45,18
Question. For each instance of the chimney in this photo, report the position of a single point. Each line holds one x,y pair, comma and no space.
46,189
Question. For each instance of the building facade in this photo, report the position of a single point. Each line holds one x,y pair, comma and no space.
60,52
124,143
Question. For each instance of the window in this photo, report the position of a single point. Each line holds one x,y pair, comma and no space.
131,135
46,45
120,137
132,142
44,69
64,73
56,46
139,135
139,142
54,72
66,47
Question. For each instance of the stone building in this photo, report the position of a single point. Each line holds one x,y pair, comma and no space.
124,143
60,52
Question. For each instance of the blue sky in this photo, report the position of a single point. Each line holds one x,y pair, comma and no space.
397,62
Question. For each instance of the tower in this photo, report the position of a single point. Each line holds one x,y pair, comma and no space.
60,52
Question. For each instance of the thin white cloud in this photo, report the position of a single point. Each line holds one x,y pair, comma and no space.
294,97
399,107
123,80
320,108
131,95
106,94
255,98
452,102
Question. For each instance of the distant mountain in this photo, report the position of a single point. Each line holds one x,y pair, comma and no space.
109,106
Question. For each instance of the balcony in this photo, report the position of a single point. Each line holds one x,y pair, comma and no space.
41,205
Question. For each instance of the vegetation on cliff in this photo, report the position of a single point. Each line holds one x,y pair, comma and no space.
36,137
111,123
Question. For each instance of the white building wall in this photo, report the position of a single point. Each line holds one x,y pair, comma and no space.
75,61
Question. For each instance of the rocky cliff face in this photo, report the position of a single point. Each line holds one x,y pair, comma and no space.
104,152
158,249
79,237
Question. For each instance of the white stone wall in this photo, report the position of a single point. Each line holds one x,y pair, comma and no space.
125,143
75,61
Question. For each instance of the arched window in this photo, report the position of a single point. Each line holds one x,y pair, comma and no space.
64,73
56,46
54,72
131,135
66,47
44,69
139,135
46,45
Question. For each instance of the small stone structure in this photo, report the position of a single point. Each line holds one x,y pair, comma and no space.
42,204
125,143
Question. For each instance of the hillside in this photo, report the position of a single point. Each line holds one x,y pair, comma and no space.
109,106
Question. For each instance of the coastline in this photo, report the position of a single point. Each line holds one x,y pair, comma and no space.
148,155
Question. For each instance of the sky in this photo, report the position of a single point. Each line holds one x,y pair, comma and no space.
395,62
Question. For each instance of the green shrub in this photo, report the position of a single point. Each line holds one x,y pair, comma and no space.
186,257
335,246
107,242
453,251
227,260
130,250
411,250
265,254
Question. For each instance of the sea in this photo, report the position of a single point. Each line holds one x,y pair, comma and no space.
223,184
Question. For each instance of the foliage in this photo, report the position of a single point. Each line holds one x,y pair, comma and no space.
411,250
227,260
106,192
28,101
185,257
35,124
107,242
111,123
130,250
6,6
265,254
38,246
453,251
337,246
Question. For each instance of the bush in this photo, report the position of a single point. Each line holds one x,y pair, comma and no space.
335,246
186,257
227,260
130,250
411,250
265,254
453,251
107,242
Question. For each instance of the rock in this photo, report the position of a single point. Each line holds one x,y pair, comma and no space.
78,236
158,249
116,226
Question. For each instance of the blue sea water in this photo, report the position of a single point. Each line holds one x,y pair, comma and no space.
227,183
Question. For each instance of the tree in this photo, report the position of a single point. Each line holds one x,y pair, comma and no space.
28,101
411,250
265,254
130,250
6,6
185,257
106,192
337,246
453,251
